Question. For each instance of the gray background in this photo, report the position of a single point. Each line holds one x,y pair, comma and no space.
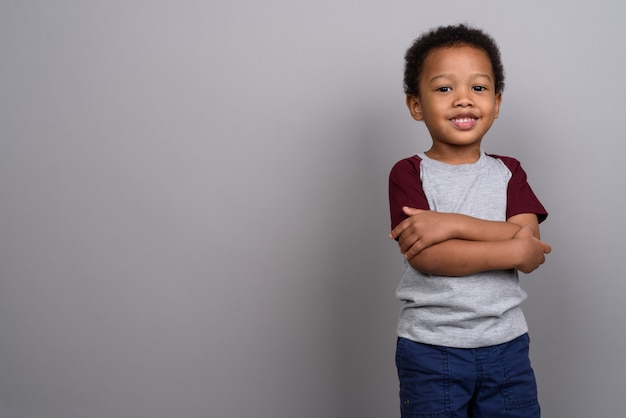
193,209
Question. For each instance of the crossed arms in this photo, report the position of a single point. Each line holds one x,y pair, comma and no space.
451,244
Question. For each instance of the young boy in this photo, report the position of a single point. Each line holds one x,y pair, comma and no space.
466,222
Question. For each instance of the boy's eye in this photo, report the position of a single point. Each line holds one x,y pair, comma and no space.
480,88
444,89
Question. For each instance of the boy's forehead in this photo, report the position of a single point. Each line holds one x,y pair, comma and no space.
457,57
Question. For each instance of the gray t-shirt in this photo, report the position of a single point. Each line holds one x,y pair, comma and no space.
471,311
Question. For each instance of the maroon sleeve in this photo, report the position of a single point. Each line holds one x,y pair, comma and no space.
520,197
405,189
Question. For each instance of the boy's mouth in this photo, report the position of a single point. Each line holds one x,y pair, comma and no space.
465,121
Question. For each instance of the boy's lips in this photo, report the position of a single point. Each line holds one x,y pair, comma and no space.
464,121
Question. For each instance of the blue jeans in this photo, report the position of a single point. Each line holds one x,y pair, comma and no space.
486,382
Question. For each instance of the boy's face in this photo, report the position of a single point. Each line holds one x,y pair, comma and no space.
457,101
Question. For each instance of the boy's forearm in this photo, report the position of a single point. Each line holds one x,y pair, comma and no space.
426,228
474,229
525,252
462,257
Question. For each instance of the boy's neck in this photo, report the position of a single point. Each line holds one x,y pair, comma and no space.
454,156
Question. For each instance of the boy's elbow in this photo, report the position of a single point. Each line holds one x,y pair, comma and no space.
424,264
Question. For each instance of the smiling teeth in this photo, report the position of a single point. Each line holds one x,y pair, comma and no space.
463,120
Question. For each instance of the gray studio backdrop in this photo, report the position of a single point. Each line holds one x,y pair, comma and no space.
193,209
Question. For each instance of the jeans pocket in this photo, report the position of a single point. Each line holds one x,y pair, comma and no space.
423,376
520,390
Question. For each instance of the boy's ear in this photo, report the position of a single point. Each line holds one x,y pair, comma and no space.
413,103
498,103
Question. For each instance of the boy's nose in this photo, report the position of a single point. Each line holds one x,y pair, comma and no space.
463,100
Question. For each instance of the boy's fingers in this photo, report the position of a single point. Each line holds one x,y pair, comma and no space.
397,231
410,211
414,250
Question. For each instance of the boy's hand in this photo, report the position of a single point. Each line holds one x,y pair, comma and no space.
421,229
532,250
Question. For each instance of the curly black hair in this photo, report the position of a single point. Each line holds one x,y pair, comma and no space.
449,37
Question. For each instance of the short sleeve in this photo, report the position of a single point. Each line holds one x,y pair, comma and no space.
520,196
405,189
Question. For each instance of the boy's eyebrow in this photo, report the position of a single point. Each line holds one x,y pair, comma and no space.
448,75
